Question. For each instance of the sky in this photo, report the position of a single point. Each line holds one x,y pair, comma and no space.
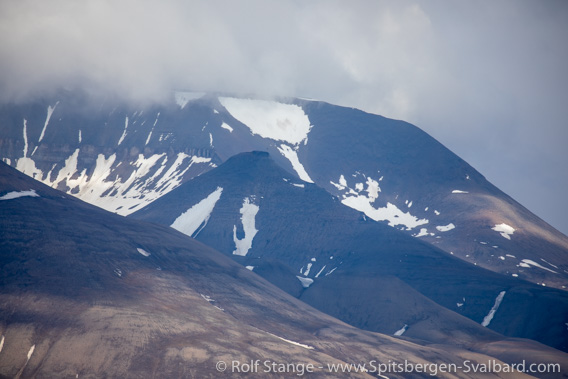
488,79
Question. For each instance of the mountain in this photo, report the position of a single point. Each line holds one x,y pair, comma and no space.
91,294
370,275
122,156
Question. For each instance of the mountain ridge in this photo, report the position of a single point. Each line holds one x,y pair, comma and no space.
121,157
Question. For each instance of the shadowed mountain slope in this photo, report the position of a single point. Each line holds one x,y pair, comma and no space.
363,272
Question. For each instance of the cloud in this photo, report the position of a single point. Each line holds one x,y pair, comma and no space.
488,79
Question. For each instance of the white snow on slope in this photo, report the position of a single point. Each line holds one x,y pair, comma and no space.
30,352
292,156
390,213
357,199
270,119
331,271
189,221
122,195
291,342
528,263
25,137
446,228
143,252
1,343
401,331
306,282
423,232
49,113
152,130
69,169
505,230
545,261
182,98
248,213
17,194
80,136
459,191
124,132
227,126
487,319
320,271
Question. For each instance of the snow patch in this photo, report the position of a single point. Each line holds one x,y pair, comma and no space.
459,191
401,331
545,261
298,185
152,130
331,271
49,113
292,156
355,198
320,271
423,232
248,213
390,213
292,342
1,343
505,230
227,126
17,194
446,228
198,215
270,119
124,132
487,319
25,137
207,298
80,136
527,263
249,267
306,282
143,252
30,352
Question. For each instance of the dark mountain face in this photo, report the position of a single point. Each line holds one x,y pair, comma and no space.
121,157
88,293
365,273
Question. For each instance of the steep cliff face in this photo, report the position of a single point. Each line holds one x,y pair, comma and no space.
123,156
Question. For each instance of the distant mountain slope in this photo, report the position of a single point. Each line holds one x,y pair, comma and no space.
89,294
367,274
121,157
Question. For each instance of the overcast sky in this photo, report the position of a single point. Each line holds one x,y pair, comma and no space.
486,78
